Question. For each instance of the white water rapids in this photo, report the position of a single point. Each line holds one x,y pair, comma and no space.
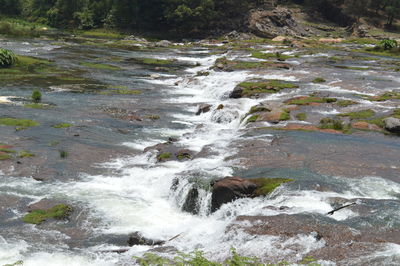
139,197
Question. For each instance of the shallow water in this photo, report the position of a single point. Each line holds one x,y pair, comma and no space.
116,188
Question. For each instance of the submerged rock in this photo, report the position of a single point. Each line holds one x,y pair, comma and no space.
191,203
136,239
204,108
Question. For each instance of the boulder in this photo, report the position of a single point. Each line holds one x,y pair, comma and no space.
273,23
236,93
163,43
136,239
191,203
230,189
392,124
204,108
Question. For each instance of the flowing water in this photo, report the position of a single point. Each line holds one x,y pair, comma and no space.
115,188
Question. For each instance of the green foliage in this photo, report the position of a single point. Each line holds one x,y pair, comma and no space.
36,96
360,114
285,115
271,86
307,100
329,123
196,258
19,123
319,80
388,44
60,211
7,58
267,185
164,156
390,95
25,154
62,125
345,103
301,116
100,66
63,154
252,119
277,55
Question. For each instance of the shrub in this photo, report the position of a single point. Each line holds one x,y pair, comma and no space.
7,58
388,44
36,96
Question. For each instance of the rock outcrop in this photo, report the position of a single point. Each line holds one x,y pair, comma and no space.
392,124
136,239
273,23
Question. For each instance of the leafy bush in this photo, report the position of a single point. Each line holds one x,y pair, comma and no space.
36,96
388,44
7,58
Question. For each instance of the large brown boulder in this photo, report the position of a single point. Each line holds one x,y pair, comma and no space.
230,189
273,23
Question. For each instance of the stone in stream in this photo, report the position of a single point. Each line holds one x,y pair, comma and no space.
136,239
191,203
392,124
231,188
204,108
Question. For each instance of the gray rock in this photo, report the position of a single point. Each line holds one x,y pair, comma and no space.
392,124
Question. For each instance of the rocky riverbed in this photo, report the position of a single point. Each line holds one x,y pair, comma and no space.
165,147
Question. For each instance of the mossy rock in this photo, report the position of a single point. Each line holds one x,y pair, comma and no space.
25,154
155,61
164,156
267,185
250,88
258,109
63,125
277,55
100,66
307,100
285,115
61,211
301,116
18,123
364,114
391,95
252,119
319,80
345,103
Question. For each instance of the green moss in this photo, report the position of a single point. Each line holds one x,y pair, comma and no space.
62,125
310,100
319,80
345,103
154,61
63,154
285,115
329,123
102,33
271,86
164,156
20,123
36,96
242,65
100,66
37,106
301,116
257,109
360,114
377,121
279,56
390,95
121,92
353,67
153,117
252,119
4,156
6,150
25,154
60,211
267,185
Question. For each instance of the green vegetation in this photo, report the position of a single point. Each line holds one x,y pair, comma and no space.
7,58
100,66
102,33
252,119
391,95
277,55
196,258
352,67
285,115
18,27
271,86
307,100
4,156
121,92
63,154
63,125
154,61
345,103
226,64
319,80
301,116
153,117
19,123
267,185
36,96
164,156
60,211
329,123
257,109
360,114
25,154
